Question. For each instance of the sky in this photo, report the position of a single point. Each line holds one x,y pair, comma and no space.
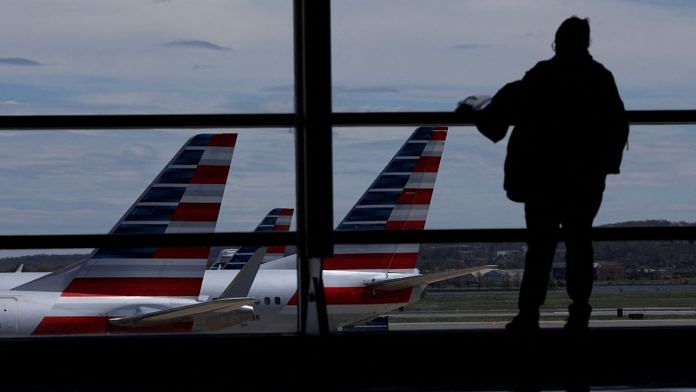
182,56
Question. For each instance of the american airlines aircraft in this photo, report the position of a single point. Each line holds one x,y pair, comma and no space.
161,289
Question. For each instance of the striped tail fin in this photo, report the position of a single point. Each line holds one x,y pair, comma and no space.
278,219
184,197
397,200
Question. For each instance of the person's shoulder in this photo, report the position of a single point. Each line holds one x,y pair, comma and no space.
600,68
542,65
539,69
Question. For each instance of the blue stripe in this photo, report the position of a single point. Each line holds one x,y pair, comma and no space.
140,229
235,266
176,176
188,157
250,249
349,226
398,181
412,149
124,253
401,165
378,198
164,194
269,220
201,140
151,213
237,258
369,214
422,133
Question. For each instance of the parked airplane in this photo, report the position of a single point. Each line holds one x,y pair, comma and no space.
360,281
122,283
278,219
169,290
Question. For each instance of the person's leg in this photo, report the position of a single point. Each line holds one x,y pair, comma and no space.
541,223
577,227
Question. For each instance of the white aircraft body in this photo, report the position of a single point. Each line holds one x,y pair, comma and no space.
137,290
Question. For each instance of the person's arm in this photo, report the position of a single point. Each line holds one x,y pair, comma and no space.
617,127
497,116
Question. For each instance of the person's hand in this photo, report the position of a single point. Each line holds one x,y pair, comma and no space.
473,103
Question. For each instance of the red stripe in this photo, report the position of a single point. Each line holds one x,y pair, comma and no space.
281,227
206,174
371,261
360,296
182,253
438,135
441,128
415,196
223,140
276,249
427,164
196,212
64,325
68,325
91,287
286,211
405,225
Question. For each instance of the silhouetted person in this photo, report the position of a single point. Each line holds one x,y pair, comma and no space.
570,131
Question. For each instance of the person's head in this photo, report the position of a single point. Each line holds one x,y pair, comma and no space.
573,37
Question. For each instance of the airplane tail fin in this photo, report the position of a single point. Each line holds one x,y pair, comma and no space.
184,197
278,219
398,199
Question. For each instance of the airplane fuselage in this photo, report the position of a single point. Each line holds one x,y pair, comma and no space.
24,313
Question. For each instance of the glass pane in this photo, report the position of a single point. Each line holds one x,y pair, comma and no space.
85,181
423,55
146,57
165,181
656,187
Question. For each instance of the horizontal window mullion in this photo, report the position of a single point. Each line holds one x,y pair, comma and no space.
144,121
507,235
68,241
637,117
341,237
284,120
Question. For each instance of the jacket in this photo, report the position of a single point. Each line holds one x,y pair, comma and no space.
570,127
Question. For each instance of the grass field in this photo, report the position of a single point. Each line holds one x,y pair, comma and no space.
457,306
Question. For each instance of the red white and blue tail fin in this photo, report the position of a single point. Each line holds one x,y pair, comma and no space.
184,197
397,200
278,219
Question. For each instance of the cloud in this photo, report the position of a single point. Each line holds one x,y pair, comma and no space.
194,43
365,90
470,46
19,61
281,88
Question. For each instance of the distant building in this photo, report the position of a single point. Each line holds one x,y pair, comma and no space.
508,252
502,277
654,274
601,270
496,277
607,270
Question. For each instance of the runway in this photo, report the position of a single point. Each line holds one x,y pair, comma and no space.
624,323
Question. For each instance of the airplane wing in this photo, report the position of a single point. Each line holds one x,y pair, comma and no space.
196,313
233,307
418,280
